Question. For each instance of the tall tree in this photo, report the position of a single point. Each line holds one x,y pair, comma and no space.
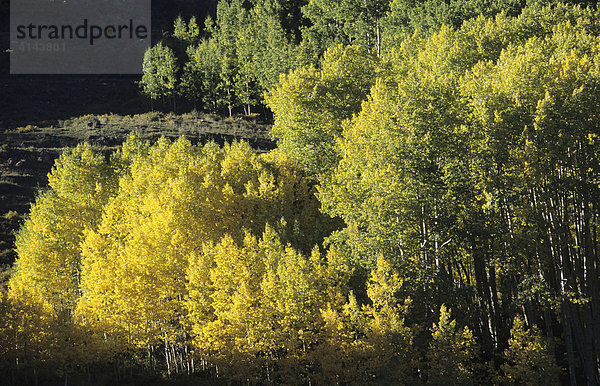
310,105
451,353
48,244
160,70
529,360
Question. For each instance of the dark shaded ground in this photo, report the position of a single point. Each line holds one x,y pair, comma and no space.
33,99
28,153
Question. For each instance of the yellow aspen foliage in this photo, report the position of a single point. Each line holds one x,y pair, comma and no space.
368,344
173,200
232,339
337,357
529,360
451,353
292,197
49,255
34,338
257,315
387,339
134,264
26,332
294,290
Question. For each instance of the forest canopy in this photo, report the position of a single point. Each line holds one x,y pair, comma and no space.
430,214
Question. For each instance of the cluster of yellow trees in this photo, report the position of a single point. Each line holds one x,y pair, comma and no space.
178,258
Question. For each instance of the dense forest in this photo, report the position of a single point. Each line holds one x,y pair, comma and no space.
430,214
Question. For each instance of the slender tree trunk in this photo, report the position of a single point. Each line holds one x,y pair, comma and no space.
152,360
117,371
167,357
569,344
482,286
174,359
378,31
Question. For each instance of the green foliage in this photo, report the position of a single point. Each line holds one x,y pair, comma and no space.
240,54
188,33
446,167
160,70
428,16
344,22
240,57
200,81
310,106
